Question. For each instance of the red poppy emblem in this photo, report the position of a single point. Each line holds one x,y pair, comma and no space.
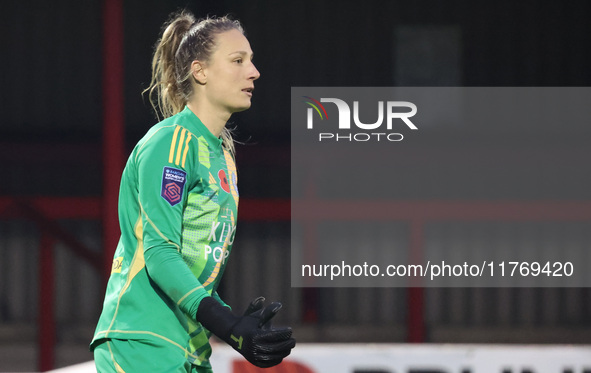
224,181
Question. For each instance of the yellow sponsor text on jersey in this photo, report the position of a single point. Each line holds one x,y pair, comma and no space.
117,263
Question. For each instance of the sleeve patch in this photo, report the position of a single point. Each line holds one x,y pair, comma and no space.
173,183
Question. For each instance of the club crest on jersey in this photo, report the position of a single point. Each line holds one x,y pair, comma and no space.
224,181
173,183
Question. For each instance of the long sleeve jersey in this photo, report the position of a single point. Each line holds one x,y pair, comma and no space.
177,212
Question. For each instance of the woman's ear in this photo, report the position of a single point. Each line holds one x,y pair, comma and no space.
198,72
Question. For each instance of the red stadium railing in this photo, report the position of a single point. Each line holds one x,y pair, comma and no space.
44,211
417,214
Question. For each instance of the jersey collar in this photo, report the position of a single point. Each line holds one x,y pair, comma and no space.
197,126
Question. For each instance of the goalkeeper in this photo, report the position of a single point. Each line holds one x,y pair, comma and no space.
177,212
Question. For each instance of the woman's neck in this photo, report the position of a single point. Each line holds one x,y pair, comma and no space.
214,120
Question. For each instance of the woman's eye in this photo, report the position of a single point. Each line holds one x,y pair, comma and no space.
239,60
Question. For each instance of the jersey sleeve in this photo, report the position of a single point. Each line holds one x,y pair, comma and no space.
216,296
162,194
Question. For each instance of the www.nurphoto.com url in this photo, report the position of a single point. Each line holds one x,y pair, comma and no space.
436,270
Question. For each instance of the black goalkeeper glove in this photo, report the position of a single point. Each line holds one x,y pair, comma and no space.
251,334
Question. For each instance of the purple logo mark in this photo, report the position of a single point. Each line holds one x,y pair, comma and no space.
173,182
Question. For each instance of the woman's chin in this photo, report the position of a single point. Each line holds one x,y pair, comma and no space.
240,108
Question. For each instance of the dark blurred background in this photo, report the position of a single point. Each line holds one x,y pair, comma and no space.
51,133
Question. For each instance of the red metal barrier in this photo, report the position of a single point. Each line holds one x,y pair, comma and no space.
417,213
46,210
46,337
113,123
415,303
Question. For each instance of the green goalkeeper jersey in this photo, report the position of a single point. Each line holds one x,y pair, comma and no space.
177,212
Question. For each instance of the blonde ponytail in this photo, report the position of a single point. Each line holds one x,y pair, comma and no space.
184,40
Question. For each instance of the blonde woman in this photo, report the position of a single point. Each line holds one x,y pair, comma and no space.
177,212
